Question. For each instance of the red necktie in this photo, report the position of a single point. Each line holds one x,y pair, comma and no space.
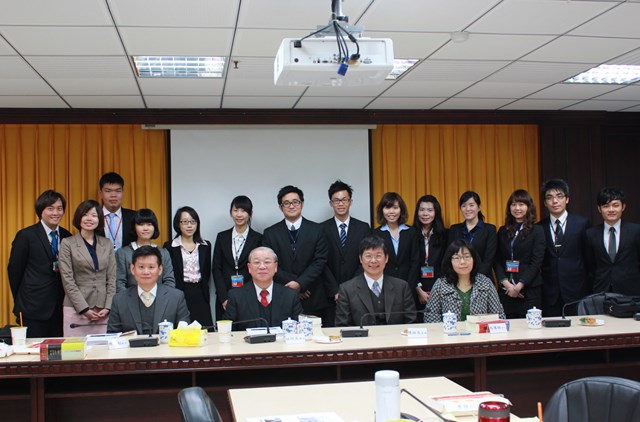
263,298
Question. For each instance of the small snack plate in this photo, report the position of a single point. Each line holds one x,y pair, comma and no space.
590,322
327,339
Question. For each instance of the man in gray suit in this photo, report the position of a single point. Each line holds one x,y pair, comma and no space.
373,298
142,307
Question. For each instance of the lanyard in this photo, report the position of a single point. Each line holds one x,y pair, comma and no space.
237,250
515,236
427,240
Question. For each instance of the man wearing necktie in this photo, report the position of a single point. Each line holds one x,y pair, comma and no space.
33,269
344,234
144,306
118,220
564,269
373,298
613,248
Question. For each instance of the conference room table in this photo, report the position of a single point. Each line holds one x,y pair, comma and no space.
526,365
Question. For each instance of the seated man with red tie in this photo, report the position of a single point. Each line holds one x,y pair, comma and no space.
262,298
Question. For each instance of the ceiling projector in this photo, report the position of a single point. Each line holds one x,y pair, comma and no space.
316,62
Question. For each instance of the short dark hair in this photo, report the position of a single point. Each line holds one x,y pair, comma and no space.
85,207
111,178
338,186
387,200
242,202
146,250
372,242
476,198
142,216
554,184
290,189
448,273
608,194
176,222
48,198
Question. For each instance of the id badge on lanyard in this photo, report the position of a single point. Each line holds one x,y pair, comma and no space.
237,280
426,271
513,266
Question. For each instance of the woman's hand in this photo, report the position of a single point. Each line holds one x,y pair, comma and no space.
91,315
103,313
423,296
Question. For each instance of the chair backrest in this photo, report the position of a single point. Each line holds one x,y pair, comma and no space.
594,304
595,399
197,406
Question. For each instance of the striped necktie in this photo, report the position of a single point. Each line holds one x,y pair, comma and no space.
343,235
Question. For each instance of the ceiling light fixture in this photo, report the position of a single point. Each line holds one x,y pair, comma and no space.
459,36
613,74
179,66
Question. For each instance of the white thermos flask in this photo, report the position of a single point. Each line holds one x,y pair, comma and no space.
387,395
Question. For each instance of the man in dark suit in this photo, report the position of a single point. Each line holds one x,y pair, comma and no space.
613,248
262,298
344,234
142,307
301,247
117,220
373,298
564,268
34,276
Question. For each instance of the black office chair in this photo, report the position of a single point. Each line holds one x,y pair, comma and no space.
594,304
197,406
595,399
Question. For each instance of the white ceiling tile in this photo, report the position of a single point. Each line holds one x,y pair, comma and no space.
621,21
181,86
31,101
231,101
24,86
177,41
572,91
491,47
531,104
424,15
106,101
549,73
15,67
610,105
260,43
260,87
5,48
327,102
171,13
487,89
348,91
635,109
473,104
159,101
453,70
583,49
412,45
62,67
69,40
48,12
537,16
631,93
94,86
407,88
405,103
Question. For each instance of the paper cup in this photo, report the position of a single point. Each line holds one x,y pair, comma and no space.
224,330
19,336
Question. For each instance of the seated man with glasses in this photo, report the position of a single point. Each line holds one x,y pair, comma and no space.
373,298
462,289
261,297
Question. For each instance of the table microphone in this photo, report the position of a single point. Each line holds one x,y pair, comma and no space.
429,408
85,325
564,322
364,332
258,338
144,341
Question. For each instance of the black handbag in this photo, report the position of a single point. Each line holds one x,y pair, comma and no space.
621,306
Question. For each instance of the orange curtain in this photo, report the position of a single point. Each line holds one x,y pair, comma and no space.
446,160
70,159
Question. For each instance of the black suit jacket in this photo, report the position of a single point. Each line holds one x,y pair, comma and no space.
355,302
436,253
243,305
623,274
564,270
484,242
305,265
125,315
127,226
343,263
204,255
36,288
404,265
529,250
224,265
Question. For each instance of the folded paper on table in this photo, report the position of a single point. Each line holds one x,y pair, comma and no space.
463,404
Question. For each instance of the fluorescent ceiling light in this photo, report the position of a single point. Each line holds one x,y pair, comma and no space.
608,74
179,67
399,67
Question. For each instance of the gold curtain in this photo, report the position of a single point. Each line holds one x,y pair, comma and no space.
446,160
70,159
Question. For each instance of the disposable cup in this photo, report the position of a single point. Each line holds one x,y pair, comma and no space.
224,331
19,336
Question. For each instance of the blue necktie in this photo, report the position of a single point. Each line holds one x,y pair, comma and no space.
113,229
376,289
343,234
54,244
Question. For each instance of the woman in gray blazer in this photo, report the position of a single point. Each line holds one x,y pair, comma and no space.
144,228
88,270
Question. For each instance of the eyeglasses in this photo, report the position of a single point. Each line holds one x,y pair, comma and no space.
369,258
559,197
339,201
266,263
458,258
188,222
294,203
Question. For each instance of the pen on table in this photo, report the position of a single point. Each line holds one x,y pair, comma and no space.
540,411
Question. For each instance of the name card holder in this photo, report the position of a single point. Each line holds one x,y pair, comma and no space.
499,327
417,332
294,338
